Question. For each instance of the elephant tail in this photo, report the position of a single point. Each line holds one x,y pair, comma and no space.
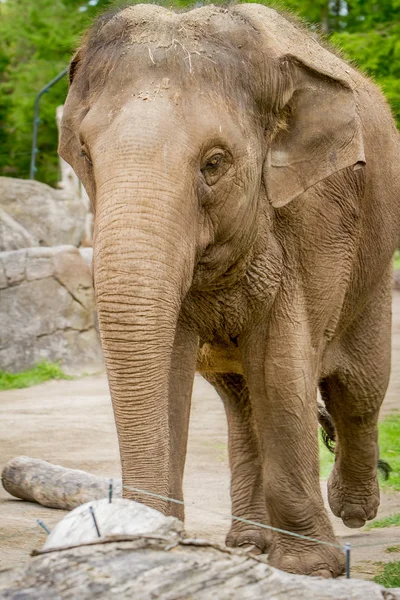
328,435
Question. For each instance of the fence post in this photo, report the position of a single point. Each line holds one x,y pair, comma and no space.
36,121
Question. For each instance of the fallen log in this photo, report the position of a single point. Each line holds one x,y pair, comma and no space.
129,561
53,486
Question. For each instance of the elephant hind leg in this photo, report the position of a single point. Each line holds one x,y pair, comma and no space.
328,435
247,491
353,395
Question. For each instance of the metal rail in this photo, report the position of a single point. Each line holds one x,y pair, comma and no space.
36,121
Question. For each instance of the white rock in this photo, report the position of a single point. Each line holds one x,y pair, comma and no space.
121,517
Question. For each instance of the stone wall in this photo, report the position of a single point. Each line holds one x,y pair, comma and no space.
34,214
47,310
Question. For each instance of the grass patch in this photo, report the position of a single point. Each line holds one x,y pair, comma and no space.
393,549
43,371
396,260
384,522
390,576
326,460
389,446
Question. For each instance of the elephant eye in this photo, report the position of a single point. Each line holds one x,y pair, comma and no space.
213,162
85,154
215,165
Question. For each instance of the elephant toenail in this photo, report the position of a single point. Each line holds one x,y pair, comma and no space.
325,573
353,522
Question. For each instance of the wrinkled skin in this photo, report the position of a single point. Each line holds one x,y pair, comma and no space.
244,182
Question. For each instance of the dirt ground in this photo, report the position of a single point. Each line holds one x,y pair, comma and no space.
70,423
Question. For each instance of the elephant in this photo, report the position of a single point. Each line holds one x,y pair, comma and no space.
244,182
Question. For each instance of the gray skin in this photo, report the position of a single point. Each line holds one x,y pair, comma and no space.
244,182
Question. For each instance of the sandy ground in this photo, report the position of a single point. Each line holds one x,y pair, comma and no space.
70,423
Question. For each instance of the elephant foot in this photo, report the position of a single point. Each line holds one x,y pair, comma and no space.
305,559
256,541
354,504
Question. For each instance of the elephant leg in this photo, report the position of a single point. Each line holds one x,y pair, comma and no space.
353,396
183,367
247,492
280,368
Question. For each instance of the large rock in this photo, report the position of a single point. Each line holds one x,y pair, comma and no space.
47,310
142,554
34,214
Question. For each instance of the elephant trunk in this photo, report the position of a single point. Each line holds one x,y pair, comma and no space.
143,264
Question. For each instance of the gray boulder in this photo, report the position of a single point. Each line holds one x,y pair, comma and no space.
34,214
47,310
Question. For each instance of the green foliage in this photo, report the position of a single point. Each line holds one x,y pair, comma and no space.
43,371
37,39
389,448
390,577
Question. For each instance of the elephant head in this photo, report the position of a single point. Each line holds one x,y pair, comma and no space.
188,131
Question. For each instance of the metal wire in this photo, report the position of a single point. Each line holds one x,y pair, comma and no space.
233,517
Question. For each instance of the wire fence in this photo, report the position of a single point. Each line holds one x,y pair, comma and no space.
345,547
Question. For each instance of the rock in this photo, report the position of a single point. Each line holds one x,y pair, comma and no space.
34,214
47,310
118,518
13,235
142,554
87,255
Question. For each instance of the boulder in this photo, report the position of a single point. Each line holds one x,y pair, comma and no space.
34,214
12,235
47,310
131,551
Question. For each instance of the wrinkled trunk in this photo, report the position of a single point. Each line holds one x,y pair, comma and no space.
143,261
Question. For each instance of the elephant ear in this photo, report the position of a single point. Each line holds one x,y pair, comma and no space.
73,66
319,133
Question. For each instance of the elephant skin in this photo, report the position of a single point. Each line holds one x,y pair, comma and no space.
244,182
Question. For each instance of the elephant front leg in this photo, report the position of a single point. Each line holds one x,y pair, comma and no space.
280,369
183,367
247,491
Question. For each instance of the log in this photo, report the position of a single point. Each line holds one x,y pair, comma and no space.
131,562
53,486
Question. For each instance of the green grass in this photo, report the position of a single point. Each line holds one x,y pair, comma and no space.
396,260
326,460
389,446
384,522
390,576
43,371
393,549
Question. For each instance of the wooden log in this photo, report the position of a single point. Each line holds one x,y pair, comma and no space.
169,567
142,554
53,486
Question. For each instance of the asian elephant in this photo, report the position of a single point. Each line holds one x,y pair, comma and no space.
245,186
